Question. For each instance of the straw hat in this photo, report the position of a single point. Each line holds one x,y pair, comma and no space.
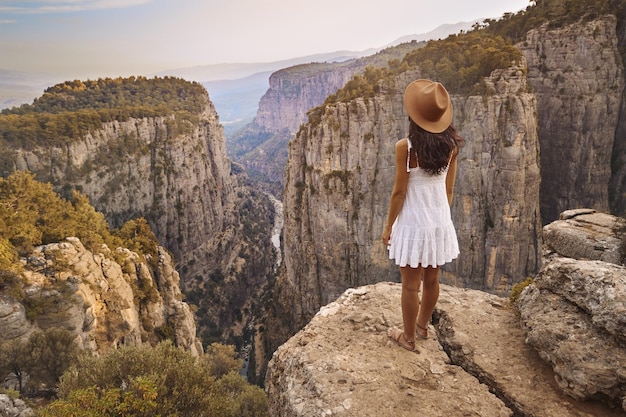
428,105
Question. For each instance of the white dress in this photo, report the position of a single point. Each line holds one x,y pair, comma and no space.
423,232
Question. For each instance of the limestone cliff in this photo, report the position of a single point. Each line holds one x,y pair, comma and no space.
293,91
577,75
182,183
340,175
104,303
173,170
541,140
480,358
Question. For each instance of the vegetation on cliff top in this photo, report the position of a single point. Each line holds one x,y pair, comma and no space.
555,13
67,111
459,61
462,61
32,214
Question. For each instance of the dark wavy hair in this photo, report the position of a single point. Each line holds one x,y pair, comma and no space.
433,150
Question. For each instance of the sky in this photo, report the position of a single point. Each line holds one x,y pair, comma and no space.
97,38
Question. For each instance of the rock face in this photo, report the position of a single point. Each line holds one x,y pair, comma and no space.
339,180
198,205
181,183
14,407
291,93
577,75
475,362
103,303
574,314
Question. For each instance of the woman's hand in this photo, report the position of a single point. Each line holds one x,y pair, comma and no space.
386,235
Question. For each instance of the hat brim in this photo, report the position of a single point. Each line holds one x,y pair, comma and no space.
411,105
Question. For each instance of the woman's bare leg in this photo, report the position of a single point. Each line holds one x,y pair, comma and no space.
430,295
411,278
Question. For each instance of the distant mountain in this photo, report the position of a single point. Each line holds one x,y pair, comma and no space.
232,71
234,88
440,32
237,100
17,87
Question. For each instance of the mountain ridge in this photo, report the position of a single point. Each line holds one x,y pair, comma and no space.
21,87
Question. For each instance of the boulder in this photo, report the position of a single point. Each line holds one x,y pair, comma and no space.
574,314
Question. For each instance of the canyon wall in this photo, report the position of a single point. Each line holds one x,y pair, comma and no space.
339,179
577,75
175,173
292,93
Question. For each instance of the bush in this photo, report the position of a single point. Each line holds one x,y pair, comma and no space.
162,380
517,290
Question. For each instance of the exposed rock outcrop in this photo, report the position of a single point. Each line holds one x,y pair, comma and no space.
574,313
104,303
480,358
475,362
14,407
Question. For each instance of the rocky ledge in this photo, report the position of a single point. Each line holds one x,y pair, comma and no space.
557,355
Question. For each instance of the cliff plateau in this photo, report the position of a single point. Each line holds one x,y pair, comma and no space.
480,357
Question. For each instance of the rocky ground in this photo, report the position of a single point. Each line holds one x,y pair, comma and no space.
480,359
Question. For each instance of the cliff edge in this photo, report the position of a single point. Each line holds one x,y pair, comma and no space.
478,360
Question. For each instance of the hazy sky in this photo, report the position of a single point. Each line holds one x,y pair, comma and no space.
133,37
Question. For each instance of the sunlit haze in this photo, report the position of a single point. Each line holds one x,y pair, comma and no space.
80,38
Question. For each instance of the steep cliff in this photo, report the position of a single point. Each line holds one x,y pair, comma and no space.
577,75
293,91
172,169
340,175
104,303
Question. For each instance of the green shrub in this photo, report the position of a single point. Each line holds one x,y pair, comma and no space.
517,290
162,380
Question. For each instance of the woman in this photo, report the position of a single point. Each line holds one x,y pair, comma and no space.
419,230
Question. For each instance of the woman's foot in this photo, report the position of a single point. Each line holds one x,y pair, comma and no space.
422,332
398,337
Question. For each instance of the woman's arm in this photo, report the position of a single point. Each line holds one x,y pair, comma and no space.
451,176
399,188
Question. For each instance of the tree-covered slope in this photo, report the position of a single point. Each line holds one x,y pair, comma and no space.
67,111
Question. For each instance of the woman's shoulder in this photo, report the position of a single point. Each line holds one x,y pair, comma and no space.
402,144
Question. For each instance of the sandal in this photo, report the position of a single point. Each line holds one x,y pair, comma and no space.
397,336
421,335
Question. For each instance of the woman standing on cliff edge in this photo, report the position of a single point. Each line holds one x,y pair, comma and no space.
419,232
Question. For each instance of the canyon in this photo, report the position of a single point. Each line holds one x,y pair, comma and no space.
548,135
